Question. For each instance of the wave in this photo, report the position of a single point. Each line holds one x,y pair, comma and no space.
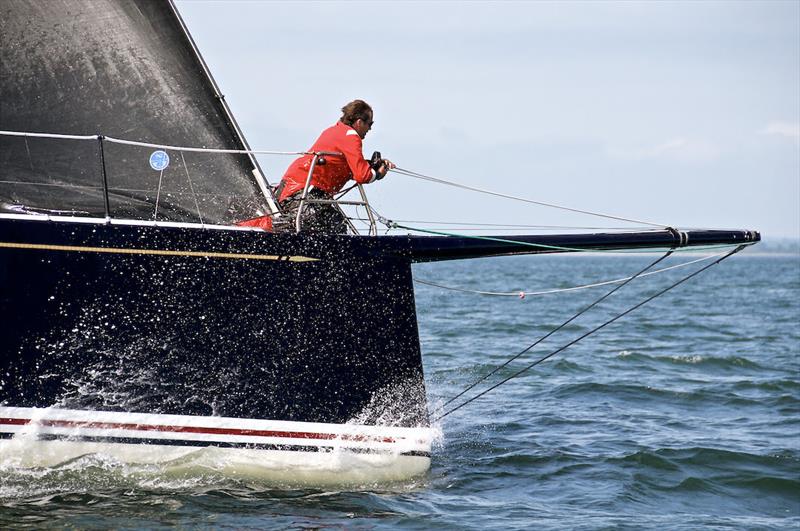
699,455
709,469
726,362
93,478
711,393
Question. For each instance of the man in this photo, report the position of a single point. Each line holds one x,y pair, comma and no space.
331,173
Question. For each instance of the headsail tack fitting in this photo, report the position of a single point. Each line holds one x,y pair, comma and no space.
681,237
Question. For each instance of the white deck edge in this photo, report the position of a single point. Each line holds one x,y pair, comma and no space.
128,222
143,223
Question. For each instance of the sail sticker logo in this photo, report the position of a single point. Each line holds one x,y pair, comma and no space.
159,160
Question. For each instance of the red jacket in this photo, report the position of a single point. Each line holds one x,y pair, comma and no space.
331,176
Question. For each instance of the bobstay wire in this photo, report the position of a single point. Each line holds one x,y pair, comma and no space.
521,371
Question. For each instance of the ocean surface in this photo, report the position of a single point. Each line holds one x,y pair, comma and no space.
684,414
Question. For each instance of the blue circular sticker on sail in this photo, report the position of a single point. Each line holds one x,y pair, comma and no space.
159,160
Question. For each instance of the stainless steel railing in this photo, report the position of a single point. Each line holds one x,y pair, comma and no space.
305,200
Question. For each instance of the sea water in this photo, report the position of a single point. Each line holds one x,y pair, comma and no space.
683,414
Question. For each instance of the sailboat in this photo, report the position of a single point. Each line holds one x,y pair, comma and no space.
140,321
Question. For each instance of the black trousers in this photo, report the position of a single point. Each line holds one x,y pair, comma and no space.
316,217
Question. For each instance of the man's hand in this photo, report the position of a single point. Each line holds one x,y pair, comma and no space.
385,166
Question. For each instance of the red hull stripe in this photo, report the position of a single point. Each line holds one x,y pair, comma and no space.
196,429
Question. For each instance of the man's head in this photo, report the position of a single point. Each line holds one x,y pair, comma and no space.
358,115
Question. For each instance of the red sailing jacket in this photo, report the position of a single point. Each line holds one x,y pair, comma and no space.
331,176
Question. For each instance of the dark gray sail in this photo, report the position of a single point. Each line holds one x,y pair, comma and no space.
124,69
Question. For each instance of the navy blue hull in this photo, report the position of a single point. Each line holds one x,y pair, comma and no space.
98,319
209,321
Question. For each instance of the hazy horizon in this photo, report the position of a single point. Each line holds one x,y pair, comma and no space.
681,113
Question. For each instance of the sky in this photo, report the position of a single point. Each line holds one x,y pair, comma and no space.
679,113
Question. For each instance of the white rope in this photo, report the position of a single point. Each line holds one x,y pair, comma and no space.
401,171
194,195
203,150
49,135
474,227
560,290
461,225
416,175
152,145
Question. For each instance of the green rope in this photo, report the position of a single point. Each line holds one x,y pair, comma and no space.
489,238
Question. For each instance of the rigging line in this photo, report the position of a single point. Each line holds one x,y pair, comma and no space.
590,332
391,224
493,239
191,186
561,290
203,150
119,189
416,175
509,226
518,225
553,331
539,228
28,150
158,195
161,146
342,193
49,135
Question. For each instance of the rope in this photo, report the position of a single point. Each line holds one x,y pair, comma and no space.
488,238
152,145
590,332
401,171
416,175
49,135
553,331
391,224
204,150
461,224
561,290
194,195
158,194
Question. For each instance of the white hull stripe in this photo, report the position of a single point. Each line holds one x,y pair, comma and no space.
207,443
175,430
205,430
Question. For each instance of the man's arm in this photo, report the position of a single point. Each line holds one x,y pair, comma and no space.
363,172
360,168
